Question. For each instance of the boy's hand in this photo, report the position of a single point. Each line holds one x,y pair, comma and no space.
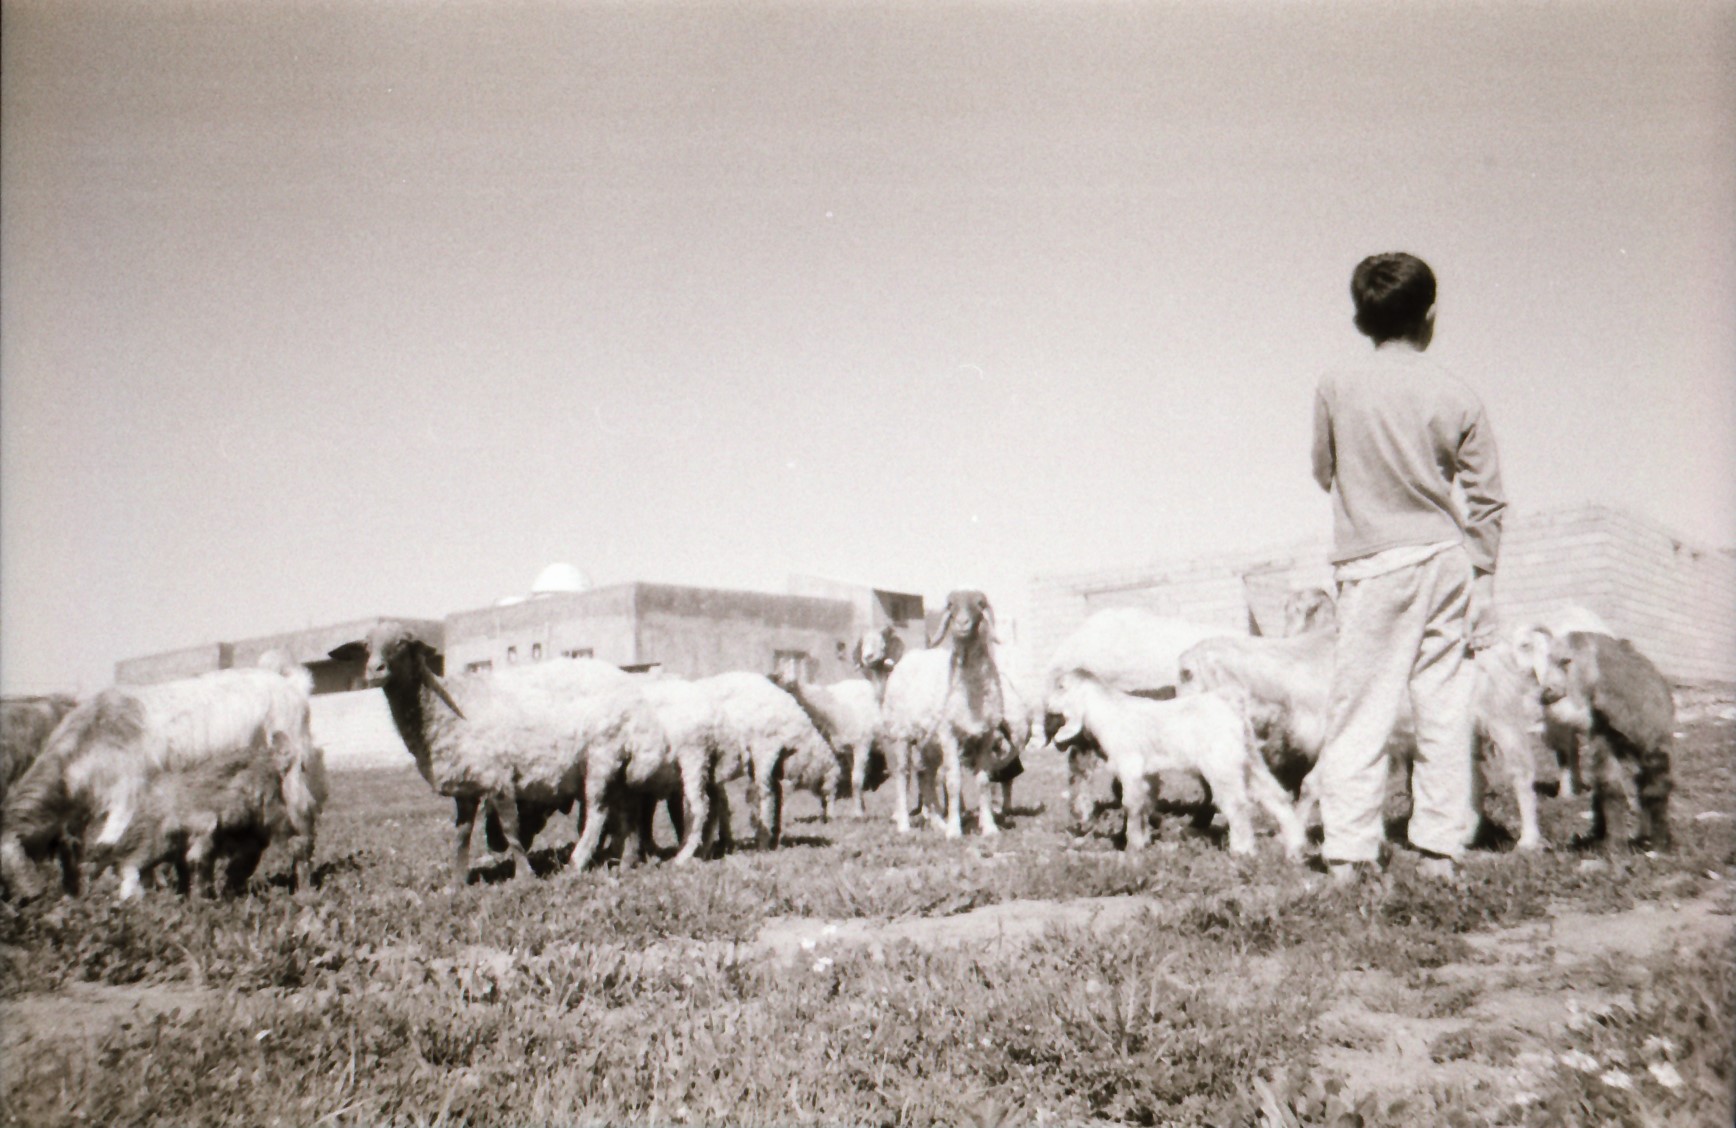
1484,624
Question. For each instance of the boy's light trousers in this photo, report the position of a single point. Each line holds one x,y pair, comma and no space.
1401,632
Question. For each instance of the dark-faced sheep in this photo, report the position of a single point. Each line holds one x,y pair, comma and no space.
1609,693
539,737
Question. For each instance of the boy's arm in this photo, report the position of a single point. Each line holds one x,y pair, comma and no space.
1485,501
1325,456
1480,478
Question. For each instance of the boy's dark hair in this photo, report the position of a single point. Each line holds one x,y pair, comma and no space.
1393,295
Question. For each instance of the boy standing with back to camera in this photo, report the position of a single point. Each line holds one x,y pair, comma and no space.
1415,573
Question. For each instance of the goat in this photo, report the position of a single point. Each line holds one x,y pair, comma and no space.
1605,690
946,708
1204,734
100,762
538,738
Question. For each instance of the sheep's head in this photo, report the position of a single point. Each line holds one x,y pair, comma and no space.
967,614
876,652
395,653
1311,609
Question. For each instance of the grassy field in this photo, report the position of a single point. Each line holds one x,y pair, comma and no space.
861,977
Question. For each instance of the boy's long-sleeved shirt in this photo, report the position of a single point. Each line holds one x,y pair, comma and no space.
1390,437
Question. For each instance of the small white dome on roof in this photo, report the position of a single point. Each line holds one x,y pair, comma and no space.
509,601
557,578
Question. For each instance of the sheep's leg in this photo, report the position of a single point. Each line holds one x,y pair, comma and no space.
858,782
243,862
1510,754
463,821
505,808
696,811
1006,797
1265,789
1084,806
717,834
1231,797
986,824
132,885
591,818
1135,795
202,860
68,851
900,761
1603,787
630,816
953,773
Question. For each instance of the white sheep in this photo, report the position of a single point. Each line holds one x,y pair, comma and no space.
542,736
847,714
1205,735
1288,681
98,766
950,707
761,729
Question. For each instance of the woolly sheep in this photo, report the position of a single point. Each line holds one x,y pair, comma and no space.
542,736
1287,683
1205,735
231,807
761,729
847,714
1618,703
25,724
101,760
1531,637
949,707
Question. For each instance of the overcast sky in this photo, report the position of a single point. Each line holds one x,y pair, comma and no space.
318,311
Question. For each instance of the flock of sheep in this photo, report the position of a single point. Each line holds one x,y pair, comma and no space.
212,769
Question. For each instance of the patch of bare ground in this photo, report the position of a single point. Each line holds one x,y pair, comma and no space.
1010,922
86,1011
1496,1020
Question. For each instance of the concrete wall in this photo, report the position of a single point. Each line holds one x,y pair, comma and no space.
1675,601
599,621
170,665
693,632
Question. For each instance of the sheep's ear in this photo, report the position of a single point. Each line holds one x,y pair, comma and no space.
941,628
1069,730
894,647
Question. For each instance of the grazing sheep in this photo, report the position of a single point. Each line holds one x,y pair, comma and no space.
538,737
1288,681
946,708
1532,637
25,724
1203,734
847,715
1609,693
99,764
231,807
